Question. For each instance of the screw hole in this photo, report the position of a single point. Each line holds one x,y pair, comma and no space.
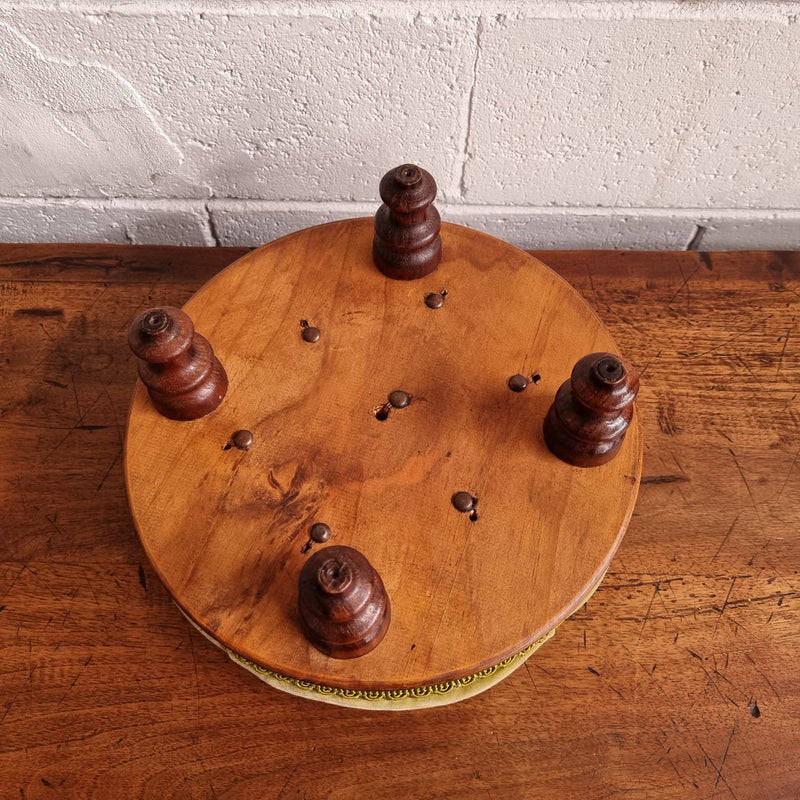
536,377
473,515
382,412
227,445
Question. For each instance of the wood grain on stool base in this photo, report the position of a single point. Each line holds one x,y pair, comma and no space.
226,529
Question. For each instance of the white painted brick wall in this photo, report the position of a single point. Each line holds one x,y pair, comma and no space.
550,124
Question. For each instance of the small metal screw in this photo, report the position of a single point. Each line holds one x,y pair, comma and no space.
310,334
463,502
320,532
399,399
243,439
434,300
517,383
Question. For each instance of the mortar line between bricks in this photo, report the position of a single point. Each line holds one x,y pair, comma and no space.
461,189
205,206
211,228
781,11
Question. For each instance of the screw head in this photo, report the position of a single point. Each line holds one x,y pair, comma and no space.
320,532
243,439
517,383
463,502
434,300
311,334
399,399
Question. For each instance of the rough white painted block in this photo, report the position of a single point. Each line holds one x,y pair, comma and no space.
68,128
252,223
655,113
573,229
92,221
262,105
780,231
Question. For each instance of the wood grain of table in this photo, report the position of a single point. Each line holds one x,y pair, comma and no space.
678,679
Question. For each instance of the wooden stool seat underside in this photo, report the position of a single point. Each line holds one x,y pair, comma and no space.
227,529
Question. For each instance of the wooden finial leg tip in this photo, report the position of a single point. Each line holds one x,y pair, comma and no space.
586,424
343,604
184,378
407,243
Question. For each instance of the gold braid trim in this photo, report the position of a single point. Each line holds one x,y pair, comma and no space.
390,695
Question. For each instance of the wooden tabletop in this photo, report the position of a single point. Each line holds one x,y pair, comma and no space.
679,678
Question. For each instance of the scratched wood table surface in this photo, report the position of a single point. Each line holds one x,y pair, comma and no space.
679,678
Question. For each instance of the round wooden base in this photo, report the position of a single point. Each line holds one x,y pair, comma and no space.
437,694
228,527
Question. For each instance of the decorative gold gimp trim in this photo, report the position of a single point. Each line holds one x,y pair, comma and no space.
383,695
